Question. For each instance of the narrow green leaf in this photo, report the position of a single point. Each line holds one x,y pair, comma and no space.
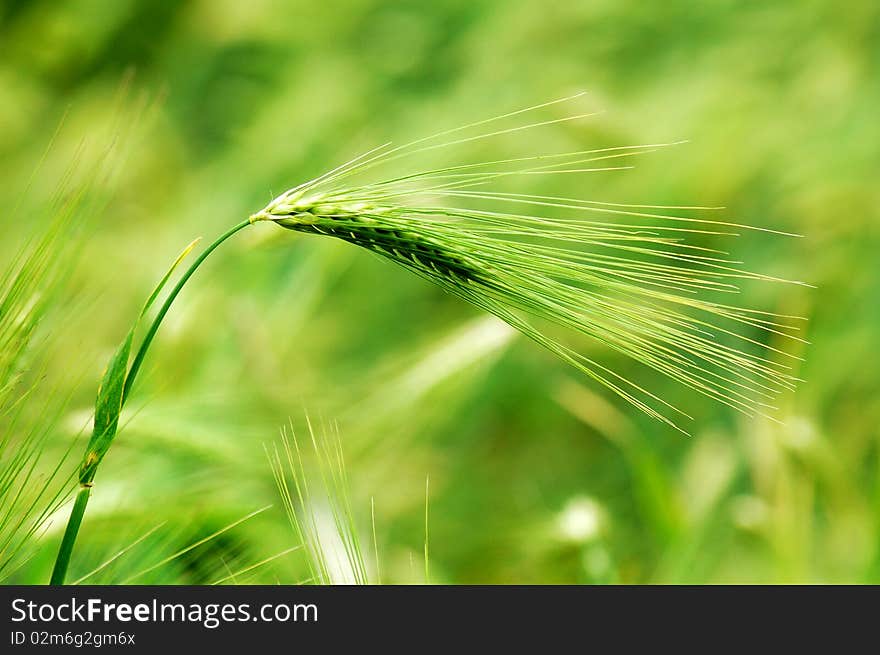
107,409
108,404
183,254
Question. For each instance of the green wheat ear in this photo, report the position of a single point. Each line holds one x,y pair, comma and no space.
631,281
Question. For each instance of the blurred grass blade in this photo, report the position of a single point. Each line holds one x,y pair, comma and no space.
319,507
193,546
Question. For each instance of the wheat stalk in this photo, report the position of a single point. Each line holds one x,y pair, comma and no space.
626,276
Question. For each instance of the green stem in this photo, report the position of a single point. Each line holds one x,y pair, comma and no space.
82,498
148,338
76,516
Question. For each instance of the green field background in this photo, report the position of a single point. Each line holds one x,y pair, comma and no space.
535,475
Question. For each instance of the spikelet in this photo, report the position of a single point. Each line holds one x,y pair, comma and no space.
626,276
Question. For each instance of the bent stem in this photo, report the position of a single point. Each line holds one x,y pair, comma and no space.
148,338
59,572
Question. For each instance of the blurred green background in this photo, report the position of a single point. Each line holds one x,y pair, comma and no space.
535,476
